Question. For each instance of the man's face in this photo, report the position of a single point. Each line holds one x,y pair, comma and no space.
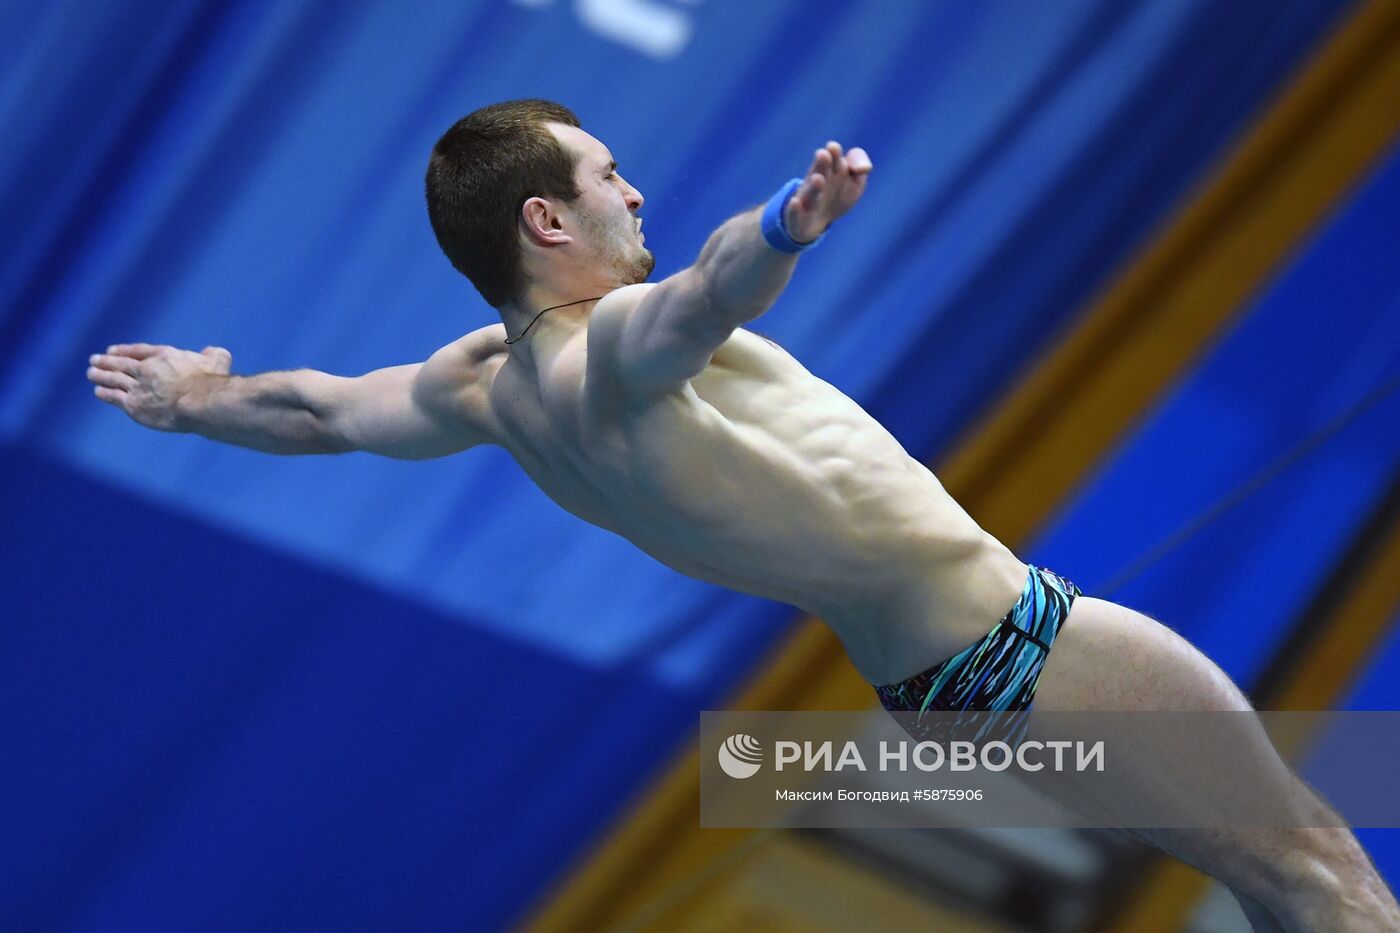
606,209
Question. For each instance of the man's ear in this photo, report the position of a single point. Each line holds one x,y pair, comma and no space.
542,224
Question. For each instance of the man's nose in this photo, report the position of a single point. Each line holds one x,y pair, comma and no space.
634,199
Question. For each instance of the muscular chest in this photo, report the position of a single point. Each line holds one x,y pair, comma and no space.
753,426
752,381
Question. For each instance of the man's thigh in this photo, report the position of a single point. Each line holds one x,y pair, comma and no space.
1113,659
1110,658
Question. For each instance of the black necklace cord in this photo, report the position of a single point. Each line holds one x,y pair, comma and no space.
510,340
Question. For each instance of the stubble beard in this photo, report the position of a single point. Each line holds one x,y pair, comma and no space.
618,249
643,263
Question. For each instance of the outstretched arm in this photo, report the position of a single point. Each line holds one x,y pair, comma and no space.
668,334
410,412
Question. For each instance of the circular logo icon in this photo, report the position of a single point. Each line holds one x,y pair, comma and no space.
740,756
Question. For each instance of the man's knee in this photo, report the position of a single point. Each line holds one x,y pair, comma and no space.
1323,879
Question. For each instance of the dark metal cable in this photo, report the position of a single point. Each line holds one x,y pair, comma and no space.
1244,490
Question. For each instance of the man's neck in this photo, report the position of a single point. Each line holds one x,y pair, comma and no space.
571,302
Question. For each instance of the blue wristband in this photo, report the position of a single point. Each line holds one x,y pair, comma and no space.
774,230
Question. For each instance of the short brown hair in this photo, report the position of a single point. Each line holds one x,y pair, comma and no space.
480,173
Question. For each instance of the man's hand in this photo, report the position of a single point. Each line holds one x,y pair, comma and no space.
833,185
147,381
645,339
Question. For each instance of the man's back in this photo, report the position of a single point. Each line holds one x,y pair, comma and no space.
754,474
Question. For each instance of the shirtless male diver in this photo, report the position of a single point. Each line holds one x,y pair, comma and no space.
647,409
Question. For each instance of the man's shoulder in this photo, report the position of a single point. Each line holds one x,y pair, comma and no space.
607,324
480,344
616,306
634,314
462,358
627,295
456,372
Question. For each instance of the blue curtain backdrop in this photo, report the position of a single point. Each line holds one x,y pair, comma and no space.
253,692
1322,338
1318,348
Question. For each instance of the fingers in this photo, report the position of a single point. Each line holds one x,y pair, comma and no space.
838,161
854,162
137,351
119,364
110,379
823,165
110,396
828,160
832,186
112,372
831,161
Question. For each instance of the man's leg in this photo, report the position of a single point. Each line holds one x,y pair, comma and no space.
1109,658
1257,914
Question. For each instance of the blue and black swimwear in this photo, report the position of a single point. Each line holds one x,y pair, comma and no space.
998,674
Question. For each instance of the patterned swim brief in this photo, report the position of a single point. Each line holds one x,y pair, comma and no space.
998,674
